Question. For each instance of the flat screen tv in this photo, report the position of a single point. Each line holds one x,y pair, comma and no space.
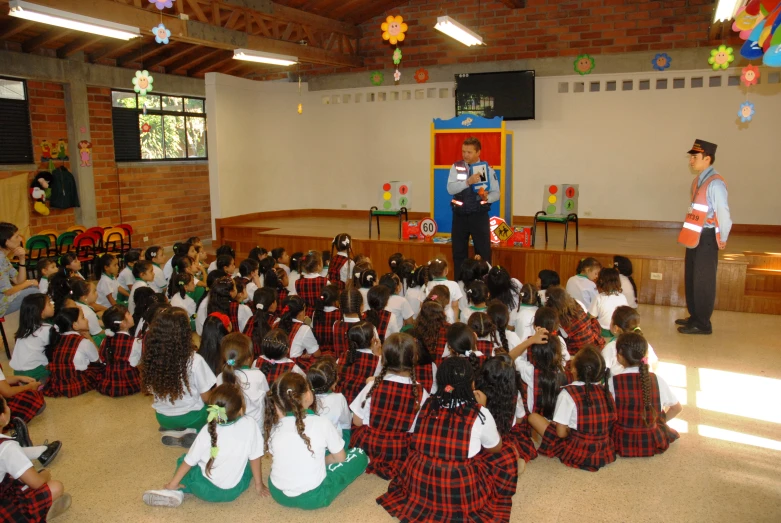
508,94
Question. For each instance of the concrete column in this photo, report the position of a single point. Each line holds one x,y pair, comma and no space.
77,111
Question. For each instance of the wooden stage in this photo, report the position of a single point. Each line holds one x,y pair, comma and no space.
749,275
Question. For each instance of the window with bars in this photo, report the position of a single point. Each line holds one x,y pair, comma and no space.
16,134
158,127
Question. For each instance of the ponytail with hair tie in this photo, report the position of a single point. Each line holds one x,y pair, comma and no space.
109,333
259,306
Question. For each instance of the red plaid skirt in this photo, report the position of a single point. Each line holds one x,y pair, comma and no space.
23,506
386,449
120,379
353,377
424,374
640,442
433,490
26,404
504,469
581,451
520,438
74,382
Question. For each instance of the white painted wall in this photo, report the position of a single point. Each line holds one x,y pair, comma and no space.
626,149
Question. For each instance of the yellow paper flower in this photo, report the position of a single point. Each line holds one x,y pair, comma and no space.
393,29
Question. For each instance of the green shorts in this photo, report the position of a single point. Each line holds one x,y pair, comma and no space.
200,486
197,294
38,373
194,419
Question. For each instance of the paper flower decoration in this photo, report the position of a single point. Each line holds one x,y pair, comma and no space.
142,82
162,4
661,61
393,29
746,112
421,76
749,75
377,77
584,64
145,127
397,56
721,57
397,76
162,34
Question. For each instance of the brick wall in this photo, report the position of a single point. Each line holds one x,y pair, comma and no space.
167,203
544,28
47,115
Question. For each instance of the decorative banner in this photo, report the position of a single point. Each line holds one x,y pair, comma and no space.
421,76
62,150
746,112
661,61
162,4
397,76
142,82
750,75
162,34
46,151
377,77
758,24
393,29
721,57
584,64
85,153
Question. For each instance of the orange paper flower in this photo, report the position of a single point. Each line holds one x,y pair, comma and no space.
750,75
421,76
393,29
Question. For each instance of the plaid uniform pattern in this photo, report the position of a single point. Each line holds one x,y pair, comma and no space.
22,506
438,482
353,377
386,440
582,332
323,327
631,437
520,437
302,362
65,380
26,404
382,328
590,447
436,352
424,374
335,271
309,289
120,378
341,346
233,314
504,468
273,370
281,295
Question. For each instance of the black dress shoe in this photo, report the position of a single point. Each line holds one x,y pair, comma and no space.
683,321
691,329
20,433
48,455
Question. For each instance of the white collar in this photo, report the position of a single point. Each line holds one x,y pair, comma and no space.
329,308
342,253
351,320
309,276
283,360
365,351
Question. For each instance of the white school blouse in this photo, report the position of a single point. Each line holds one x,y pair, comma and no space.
186,303
333,407
468,311
414,297
628,291
603,307
43,285
86,353
13,461
346,272
29,352
126,278
168,268
566,412
131,302
92,318
400,308
666,396
201,380
107,286
200,317
254,386
160,283
364,411
582,289
295,470
238,443
610,353
524,321
304,341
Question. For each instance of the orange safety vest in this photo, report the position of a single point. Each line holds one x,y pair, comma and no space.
697,216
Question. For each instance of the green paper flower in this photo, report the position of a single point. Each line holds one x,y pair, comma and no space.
584,64
721,57
377,77
397,56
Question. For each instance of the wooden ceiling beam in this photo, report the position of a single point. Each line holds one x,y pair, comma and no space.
173,54
42,39
14,26
114,48
190,59
79,44
137,56
288,14
218,60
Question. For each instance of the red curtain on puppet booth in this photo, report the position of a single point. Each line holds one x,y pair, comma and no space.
447,147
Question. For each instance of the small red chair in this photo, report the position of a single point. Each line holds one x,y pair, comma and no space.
85,246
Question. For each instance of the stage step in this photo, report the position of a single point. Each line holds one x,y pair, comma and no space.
761,260
763,280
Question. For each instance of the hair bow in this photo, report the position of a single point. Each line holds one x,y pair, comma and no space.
615,264
449,389
469,291
153,254
284,310
369,277
180,283
433,297
645,360
259,306
56,328
346,241
231,362
468,353
322,297
636,329
215,412
109,332
223,318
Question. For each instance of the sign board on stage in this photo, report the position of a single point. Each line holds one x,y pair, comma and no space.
428,228
394,195
560,199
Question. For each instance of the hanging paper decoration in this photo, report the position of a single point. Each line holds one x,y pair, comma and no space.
421,76
85,153
661,61
46,151
145,127
749,75
746,112
721,57
62,150
584,64
142,82
758,24
397,76
162,4
393,29
397,56
377,77
162,34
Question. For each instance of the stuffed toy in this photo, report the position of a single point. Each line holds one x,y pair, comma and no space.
41,192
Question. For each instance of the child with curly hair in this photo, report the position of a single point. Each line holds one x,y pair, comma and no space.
581,329
431,330
178,377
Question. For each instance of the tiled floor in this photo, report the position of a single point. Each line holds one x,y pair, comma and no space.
730,383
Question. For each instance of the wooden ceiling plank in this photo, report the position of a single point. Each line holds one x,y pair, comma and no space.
210,65
262,26
232,19
191,60
77,45
288,31
302,17
14,26
175,53
197,10
140,54
210,59
216,20
114,48
42,39
311,36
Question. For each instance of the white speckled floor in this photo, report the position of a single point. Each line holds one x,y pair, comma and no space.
112,452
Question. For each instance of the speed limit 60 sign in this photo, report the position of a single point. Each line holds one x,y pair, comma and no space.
428,227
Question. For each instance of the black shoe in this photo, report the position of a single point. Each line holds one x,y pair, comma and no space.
22,436
185,441
691,329
52,449
683,322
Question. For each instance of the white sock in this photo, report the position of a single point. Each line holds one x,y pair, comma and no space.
34,452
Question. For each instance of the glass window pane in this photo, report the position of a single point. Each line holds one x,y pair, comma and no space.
196,137
151,137
174,136
11,89
193,105
149,101
124,100
172,103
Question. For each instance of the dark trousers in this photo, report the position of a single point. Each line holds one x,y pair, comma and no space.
465,225
700,278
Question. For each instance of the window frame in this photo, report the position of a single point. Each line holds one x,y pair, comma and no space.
26,102
162,113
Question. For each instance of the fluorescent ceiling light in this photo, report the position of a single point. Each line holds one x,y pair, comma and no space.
264,58
66,20
726,9
455,30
